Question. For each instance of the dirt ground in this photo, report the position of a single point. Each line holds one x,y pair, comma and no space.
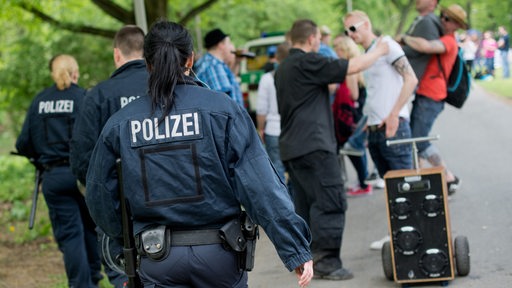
36,264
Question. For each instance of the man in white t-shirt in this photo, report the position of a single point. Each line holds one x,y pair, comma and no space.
390,82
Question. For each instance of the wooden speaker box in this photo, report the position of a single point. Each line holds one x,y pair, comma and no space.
419,226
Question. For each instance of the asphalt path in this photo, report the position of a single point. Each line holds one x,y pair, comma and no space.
476,143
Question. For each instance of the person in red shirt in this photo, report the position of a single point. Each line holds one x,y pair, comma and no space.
431,89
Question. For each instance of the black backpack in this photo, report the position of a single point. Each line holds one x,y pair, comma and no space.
458,83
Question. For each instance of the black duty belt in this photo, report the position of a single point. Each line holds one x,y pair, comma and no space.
195,237
155,243
56,163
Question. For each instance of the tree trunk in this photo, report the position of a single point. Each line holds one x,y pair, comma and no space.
404,12
468,9
155,9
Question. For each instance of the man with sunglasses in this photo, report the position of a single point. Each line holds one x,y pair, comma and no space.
390,83
427,26
432,88
307,142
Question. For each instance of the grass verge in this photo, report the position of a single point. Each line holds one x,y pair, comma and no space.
498,85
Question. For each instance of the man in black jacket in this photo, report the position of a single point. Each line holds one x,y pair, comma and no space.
127,83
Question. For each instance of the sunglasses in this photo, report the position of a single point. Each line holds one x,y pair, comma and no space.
354,27
445,18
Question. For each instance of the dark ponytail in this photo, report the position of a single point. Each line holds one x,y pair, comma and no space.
167,47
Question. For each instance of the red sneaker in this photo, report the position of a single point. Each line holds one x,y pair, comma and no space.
353,192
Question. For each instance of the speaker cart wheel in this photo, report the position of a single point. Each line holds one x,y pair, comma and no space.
462,255
387,263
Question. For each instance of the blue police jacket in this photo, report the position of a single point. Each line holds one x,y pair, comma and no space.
48,124
127,83
192,169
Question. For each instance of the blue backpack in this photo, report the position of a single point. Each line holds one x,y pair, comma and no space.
458,82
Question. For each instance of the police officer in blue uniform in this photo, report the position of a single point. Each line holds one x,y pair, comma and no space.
45,138
128,82
191,158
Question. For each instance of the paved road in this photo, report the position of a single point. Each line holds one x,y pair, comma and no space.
476,143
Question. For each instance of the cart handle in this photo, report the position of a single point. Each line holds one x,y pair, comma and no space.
414,148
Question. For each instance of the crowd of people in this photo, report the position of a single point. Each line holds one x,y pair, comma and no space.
481,50
195,167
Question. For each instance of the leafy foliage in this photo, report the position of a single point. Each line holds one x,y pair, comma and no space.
14,183
28,45
245,20
16,187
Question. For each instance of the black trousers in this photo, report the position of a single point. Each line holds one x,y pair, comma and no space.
73,227
319,198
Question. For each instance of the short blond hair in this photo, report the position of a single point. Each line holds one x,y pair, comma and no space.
359,14
63,67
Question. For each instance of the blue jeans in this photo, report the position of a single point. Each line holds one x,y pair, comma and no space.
357,141
73,227
360,164
489,65
272,147
424,113
392,157
504,63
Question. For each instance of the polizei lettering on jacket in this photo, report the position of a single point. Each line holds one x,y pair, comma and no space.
173,127
56,106
124,100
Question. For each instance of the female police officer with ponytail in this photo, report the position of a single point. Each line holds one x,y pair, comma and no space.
191,158
45,138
